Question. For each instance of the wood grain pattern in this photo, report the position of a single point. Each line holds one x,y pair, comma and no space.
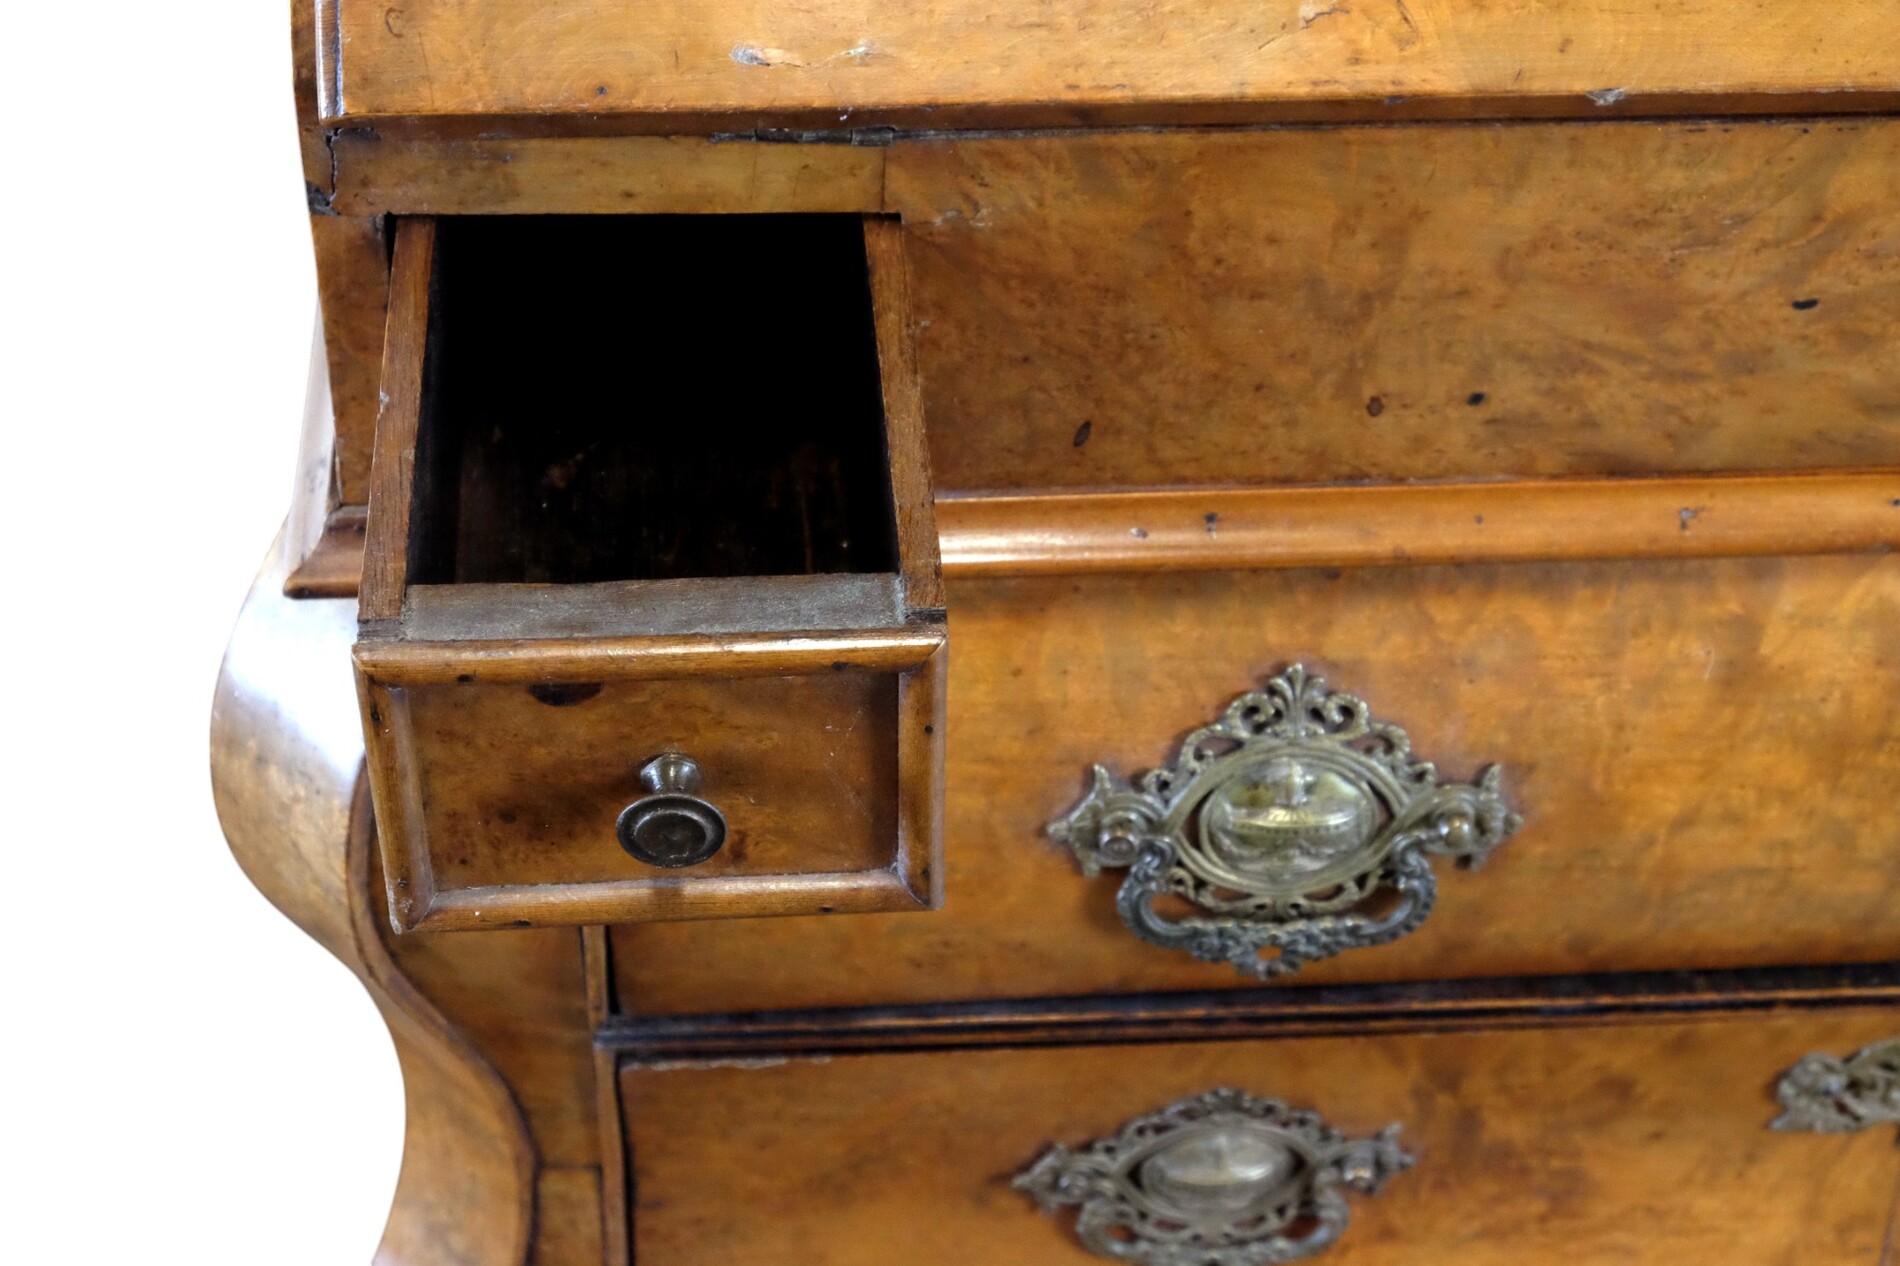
525,660
1704,752
1639,1144
922,724
616,1226
1318,305
519,1000
906,442
1359,525
353,295
393,467
285,766
333,566
958,61
614,175
745,896
1357,303
519,792
505,806
1372,524
311,134
568,1225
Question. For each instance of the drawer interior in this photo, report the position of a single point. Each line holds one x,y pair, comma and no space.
615,398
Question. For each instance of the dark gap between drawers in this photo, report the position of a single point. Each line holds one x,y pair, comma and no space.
1286,1012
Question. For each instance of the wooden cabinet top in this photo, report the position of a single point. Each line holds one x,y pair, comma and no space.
708,65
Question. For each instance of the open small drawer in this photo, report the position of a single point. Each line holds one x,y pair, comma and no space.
651,619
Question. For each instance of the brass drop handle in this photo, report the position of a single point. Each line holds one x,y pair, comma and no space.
672,827
1295,826
1221,1179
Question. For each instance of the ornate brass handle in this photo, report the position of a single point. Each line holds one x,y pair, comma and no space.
1222,1179
1287,820
671,827
1830,1095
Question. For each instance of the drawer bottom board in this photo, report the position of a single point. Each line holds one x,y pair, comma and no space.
1630,1143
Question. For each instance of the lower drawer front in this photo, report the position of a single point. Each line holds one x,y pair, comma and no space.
1704,754
1645,1143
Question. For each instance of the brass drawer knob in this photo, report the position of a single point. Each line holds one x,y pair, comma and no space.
672,827
1221,1179
1295,824
1826,1094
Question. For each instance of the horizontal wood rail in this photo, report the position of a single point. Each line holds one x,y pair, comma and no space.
957,62
1360,525
1386,525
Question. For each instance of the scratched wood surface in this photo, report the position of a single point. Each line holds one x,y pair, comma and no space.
1704,753
1304,306
1643,1144
964,59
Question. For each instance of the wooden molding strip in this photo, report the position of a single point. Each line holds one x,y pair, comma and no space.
644,900
1367,525
1284,1011
390,661
1384,525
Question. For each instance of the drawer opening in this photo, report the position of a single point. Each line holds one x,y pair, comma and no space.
614,398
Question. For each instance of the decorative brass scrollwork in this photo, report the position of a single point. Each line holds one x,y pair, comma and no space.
1222,1179
1302,827
1830,1095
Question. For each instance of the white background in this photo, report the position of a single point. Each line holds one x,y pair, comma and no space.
185,1077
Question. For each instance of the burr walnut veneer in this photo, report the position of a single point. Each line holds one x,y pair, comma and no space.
1190,633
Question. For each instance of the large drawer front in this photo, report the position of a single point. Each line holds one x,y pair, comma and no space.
1309,305
1704,754
1640,1144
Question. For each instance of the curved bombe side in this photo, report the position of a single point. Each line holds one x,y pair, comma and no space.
286,769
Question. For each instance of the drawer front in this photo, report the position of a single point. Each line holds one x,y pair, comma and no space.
528,781
1418,302
1704,755
1646,1143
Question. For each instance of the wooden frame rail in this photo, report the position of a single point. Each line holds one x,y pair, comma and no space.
1362,525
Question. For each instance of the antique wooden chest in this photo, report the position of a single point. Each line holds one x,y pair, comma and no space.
1186,632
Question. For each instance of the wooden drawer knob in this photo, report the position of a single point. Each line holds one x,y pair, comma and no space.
1295,825
672,827
1221,1179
